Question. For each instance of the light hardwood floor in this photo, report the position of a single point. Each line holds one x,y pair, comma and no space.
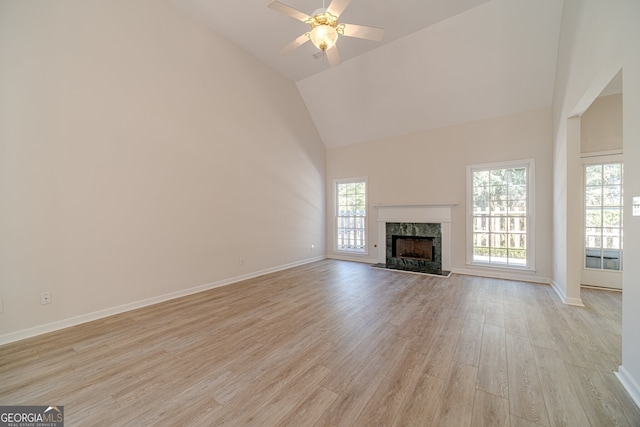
336,343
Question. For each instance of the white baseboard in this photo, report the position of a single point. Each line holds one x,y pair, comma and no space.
563,296
629,384
500,274
100,314
355,258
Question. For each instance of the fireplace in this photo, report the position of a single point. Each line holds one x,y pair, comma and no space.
415,237
418,248
414,246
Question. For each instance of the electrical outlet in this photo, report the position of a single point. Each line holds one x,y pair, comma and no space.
45,298
242,262
1,306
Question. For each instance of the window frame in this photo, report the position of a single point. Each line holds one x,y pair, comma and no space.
336,215
529,165
602,159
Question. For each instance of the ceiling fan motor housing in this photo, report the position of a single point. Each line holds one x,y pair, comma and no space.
323,17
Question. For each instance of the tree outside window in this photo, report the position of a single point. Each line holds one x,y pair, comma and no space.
603,216
500,215
351,215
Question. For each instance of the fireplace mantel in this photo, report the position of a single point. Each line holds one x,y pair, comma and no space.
435,213
423,212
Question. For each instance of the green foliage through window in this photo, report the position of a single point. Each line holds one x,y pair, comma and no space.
603,216
500,215
351,214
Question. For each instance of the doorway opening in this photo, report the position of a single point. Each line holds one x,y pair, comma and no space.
602,189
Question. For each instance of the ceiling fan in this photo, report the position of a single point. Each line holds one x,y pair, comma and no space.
325,28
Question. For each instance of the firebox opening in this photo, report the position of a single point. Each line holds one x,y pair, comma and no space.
412,247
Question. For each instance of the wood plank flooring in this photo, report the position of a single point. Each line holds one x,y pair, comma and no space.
336,343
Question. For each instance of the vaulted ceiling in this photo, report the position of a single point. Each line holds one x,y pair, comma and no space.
441,62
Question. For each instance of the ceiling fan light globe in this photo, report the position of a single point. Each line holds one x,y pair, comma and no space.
323,37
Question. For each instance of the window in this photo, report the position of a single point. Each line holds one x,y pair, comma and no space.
351,215
499,209
603,216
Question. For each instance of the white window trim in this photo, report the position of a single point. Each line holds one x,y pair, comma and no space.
531,244
335,216
599,158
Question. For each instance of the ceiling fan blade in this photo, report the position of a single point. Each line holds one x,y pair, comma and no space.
338,6
333,56
363,32
293,44
288,10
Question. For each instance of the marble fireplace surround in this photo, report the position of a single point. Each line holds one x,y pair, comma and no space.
434,213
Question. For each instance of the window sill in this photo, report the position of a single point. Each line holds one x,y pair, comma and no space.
601,269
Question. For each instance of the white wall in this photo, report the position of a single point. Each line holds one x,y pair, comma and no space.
597,40
142,156
430,167
601,125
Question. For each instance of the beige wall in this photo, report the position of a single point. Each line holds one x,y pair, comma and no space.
598,39
430,167
601,125
142,156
